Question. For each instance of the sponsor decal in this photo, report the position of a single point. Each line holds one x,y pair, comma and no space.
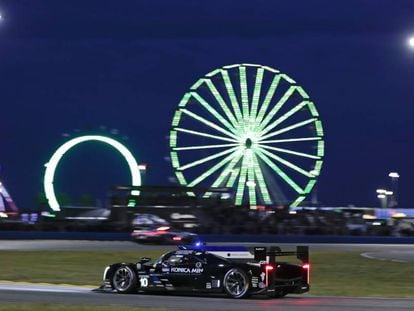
208,285
198,264
187,270
262,276
215,283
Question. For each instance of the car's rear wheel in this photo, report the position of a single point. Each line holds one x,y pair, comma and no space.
124,280
236,283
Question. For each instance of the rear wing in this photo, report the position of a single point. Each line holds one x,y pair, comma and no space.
264,255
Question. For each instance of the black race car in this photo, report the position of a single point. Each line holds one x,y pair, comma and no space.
234,271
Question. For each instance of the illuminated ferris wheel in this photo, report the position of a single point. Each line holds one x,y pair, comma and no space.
252,129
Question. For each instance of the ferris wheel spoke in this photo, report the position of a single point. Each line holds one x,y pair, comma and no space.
232,95
244,93
277,107
268,98
204,147
279,171
284,117
214,112
289,140
286,163
211,170
228,170
288,128
300,154
180,129
256,94
251,186
242,182
260,180
208,123
206,159
221,102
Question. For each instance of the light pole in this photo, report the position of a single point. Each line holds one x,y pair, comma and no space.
383,195
394,186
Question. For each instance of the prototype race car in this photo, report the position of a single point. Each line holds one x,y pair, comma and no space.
162,235
234,271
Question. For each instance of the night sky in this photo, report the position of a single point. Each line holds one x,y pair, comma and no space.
94,66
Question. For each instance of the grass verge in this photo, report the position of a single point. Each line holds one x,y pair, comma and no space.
332,274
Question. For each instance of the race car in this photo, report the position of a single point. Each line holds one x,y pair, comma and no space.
231,270
162,235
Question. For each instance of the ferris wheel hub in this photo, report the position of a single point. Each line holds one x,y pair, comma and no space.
248,143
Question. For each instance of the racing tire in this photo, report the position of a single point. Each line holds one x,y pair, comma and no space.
124,280
236,283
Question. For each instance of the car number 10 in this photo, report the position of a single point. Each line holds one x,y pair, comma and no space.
144,282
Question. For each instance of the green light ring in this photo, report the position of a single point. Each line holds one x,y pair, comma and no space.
60,152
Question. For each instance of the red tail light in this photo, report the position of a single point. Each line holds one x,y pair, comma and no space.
177,238
268,269
306,267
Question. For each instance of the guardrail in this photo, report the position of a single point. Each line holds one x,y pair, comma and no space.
231,238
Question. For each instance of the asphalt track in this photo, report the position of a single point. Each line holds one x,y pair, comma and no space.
35,293
392,252
16,293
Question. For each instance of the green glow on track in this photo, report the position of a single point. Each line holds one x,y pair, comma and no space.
60,152
249,126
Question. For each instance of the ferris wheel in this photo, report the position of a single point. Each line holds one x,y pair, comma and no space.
252,129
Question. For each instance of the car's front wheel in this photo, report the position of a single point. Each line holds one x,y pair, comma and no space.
124,280
236,283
